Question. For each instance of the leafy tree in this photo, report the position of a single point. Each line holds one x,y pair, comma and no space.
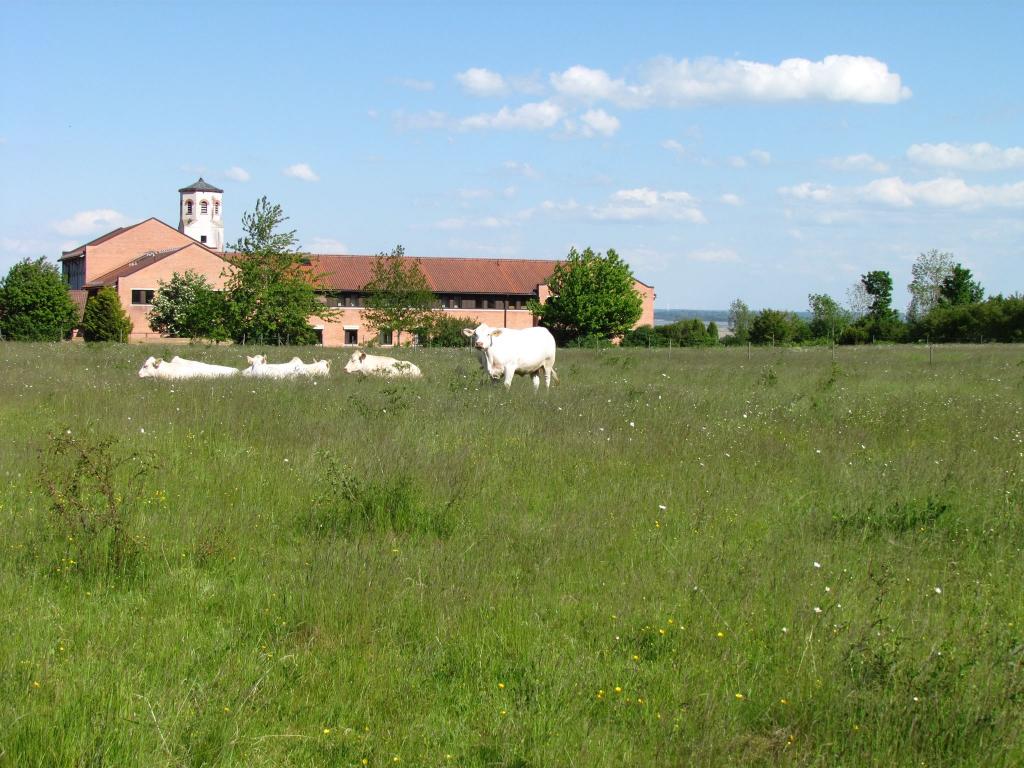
34,303
959,287
712,331
929,271
687,333
828,319
592,297
995,319
881,322
398,295
187,306
777,326
105,318
270,287
740,318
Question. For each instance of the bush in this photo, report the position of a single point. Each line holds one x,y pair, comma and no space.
34,303
644,336
996,319
444,331
105,318
776,326
187,306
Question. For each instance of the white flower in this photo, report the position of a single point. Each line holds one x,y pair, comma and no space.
662,506
817,564
142,430
817,609
938,590
785,629
632,424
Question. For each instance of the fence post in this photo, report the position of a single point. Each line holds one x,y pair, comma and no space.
748,350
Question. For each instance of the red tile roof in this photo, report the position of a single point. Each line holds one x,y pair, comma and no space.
444,274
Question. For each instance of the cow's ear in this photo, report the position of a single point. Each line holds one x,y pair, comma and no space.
362,356
252,360
496,332
467,332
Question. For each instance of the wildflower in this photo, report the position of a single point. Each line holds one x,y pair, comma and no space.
785,630
817,609
35,683
740,697
817,564
326,731
720,634
662,506
783,701
618,689
501,685
938,590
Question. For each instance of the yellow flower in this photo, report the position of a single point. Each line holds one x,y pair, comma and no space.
501,685
326,731
35,683
740,697
618,689
783,701
720,634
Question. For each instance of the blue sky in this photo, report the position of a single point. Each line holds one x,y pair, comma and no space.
727,150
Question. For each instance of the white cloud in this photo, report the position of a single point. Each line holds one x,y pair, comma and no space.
301,171
599,121
86,222
714,255
30,247
645,203
421,120
531,117
895,192
673,146
423,86
485,222
237,174
326,245
835,78
730,198
967,157
760,156
481,82
670,83
859,162
521,169
809,191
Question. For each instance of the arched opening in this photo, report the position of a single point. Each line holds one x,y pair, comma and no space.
188,207
202,208
216,207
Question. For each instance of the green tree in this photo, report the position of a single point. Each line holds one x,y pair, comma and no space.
777,326
882,322
398,295
34,303
828,319
959,287
592,297
929,271
712,332
270,287
186,306
740,318
105,318
644,336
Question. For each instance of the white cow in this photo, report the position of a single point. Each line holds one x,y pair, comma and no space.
510,351
180,368
360,362
259,368
316,368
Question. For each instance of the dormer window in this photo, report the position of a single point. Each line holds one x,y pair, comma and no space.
188,207
202,208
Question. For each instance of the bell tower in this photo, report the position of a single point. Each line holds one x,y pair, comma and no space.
201,217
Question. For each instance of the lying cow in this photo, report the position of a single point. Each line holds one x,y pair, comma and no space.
360,362
180,368
509,351
259,368
316,368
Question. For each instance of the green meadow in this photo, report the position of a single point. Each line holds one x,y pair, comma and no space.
673,558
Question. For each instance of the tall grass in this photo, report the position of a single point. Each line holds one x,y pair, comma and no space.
672,558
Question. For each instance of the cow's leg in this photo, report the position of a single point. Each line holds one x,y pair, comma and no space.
548,369
510,373
535,376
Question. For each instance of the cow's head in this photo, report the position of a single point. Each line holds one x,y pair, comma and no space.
257,360
149,367
483,335
355,363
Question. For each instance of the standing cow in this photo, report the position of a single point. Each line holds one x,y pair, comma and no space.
509,351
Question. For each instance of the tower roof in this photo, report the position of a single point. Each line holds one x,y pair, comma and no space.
200,186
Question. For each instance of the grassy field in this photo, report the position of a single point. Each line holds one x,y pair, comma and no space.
673,558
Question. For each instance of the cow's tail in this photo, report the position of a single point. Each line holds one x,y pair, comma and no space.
554,374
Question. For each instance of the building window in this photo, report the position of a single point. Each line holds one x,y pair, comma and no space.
188,207
351,337
143,295
202,208
216,207
202,238
385,339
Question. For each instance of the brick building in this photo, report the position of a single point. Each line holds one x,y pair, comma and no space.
133,260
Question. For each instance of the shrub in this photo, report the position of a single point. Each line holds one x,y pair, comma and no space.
105,318
444,331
